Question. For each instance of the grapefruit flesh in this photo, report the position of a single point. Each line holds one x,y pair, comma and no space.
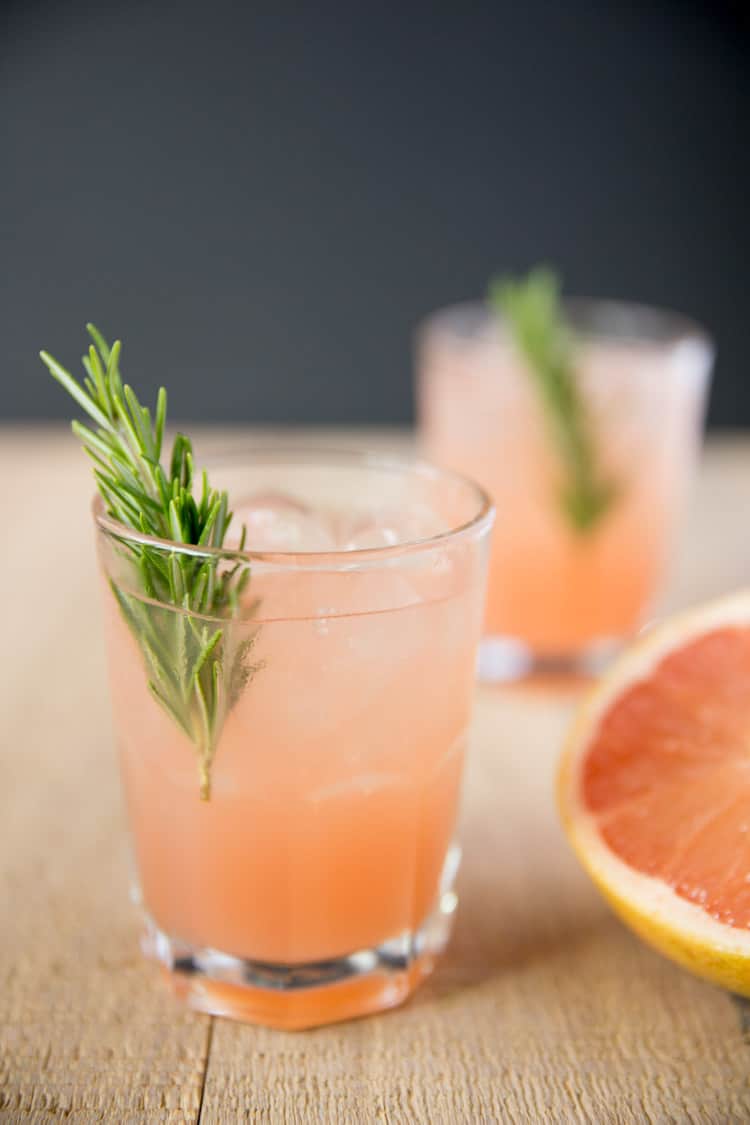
655,789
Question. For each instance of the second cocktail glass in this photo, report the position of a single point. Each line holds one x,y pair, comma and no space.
561,597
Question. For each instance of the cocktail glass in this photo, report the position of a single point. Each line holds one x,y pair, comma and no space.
561,598
316,881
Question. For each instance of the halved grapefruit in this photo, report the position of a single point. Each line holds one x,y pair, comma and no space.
654,789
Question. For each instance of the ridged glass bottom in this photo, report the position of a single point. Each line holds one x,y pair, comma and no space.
507,660
307,995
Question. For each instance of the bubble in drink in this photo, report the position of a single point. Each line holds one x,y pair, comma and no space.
276,522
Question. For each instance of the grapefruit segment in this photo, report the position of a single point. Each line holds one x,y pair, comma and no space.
654,789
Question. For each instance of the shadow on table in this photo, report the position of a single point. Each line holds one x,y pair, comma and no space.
502,951
565,687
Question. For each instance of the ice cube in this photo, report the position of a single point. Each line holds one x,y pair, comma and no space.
388,527
276,522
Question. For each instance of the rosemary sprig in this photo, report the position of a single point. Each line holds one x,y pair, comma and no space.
194,671
531,308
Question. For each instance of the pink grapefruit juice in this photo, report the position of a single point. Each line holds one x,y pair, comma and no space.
553,588
334,785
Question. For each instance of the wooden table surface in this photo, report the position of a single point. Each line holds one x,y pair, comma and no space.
544,1009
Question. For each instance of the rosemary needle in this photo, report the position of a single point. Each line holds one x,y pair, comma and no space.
193,670
532,310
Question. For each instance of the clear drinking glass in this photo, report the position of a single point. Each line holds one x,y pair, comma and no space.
560,598
316,881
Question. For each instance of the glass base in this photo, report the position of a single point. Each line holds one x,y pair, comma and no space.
509,660
297,996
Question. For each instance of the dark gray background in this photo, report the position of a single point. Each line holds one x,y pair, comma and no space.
262,198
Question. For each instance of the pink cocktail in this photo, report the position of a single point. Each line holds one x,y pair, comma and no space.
560,595
315,883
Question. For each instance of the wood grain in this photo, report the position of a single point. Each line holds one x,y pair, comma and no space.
544,1009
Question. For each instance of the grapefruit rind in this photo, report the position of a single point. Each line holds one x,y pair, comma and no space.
680,929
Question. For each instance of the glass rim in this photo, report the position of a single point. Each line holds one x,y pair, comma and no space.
337,559
672,326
